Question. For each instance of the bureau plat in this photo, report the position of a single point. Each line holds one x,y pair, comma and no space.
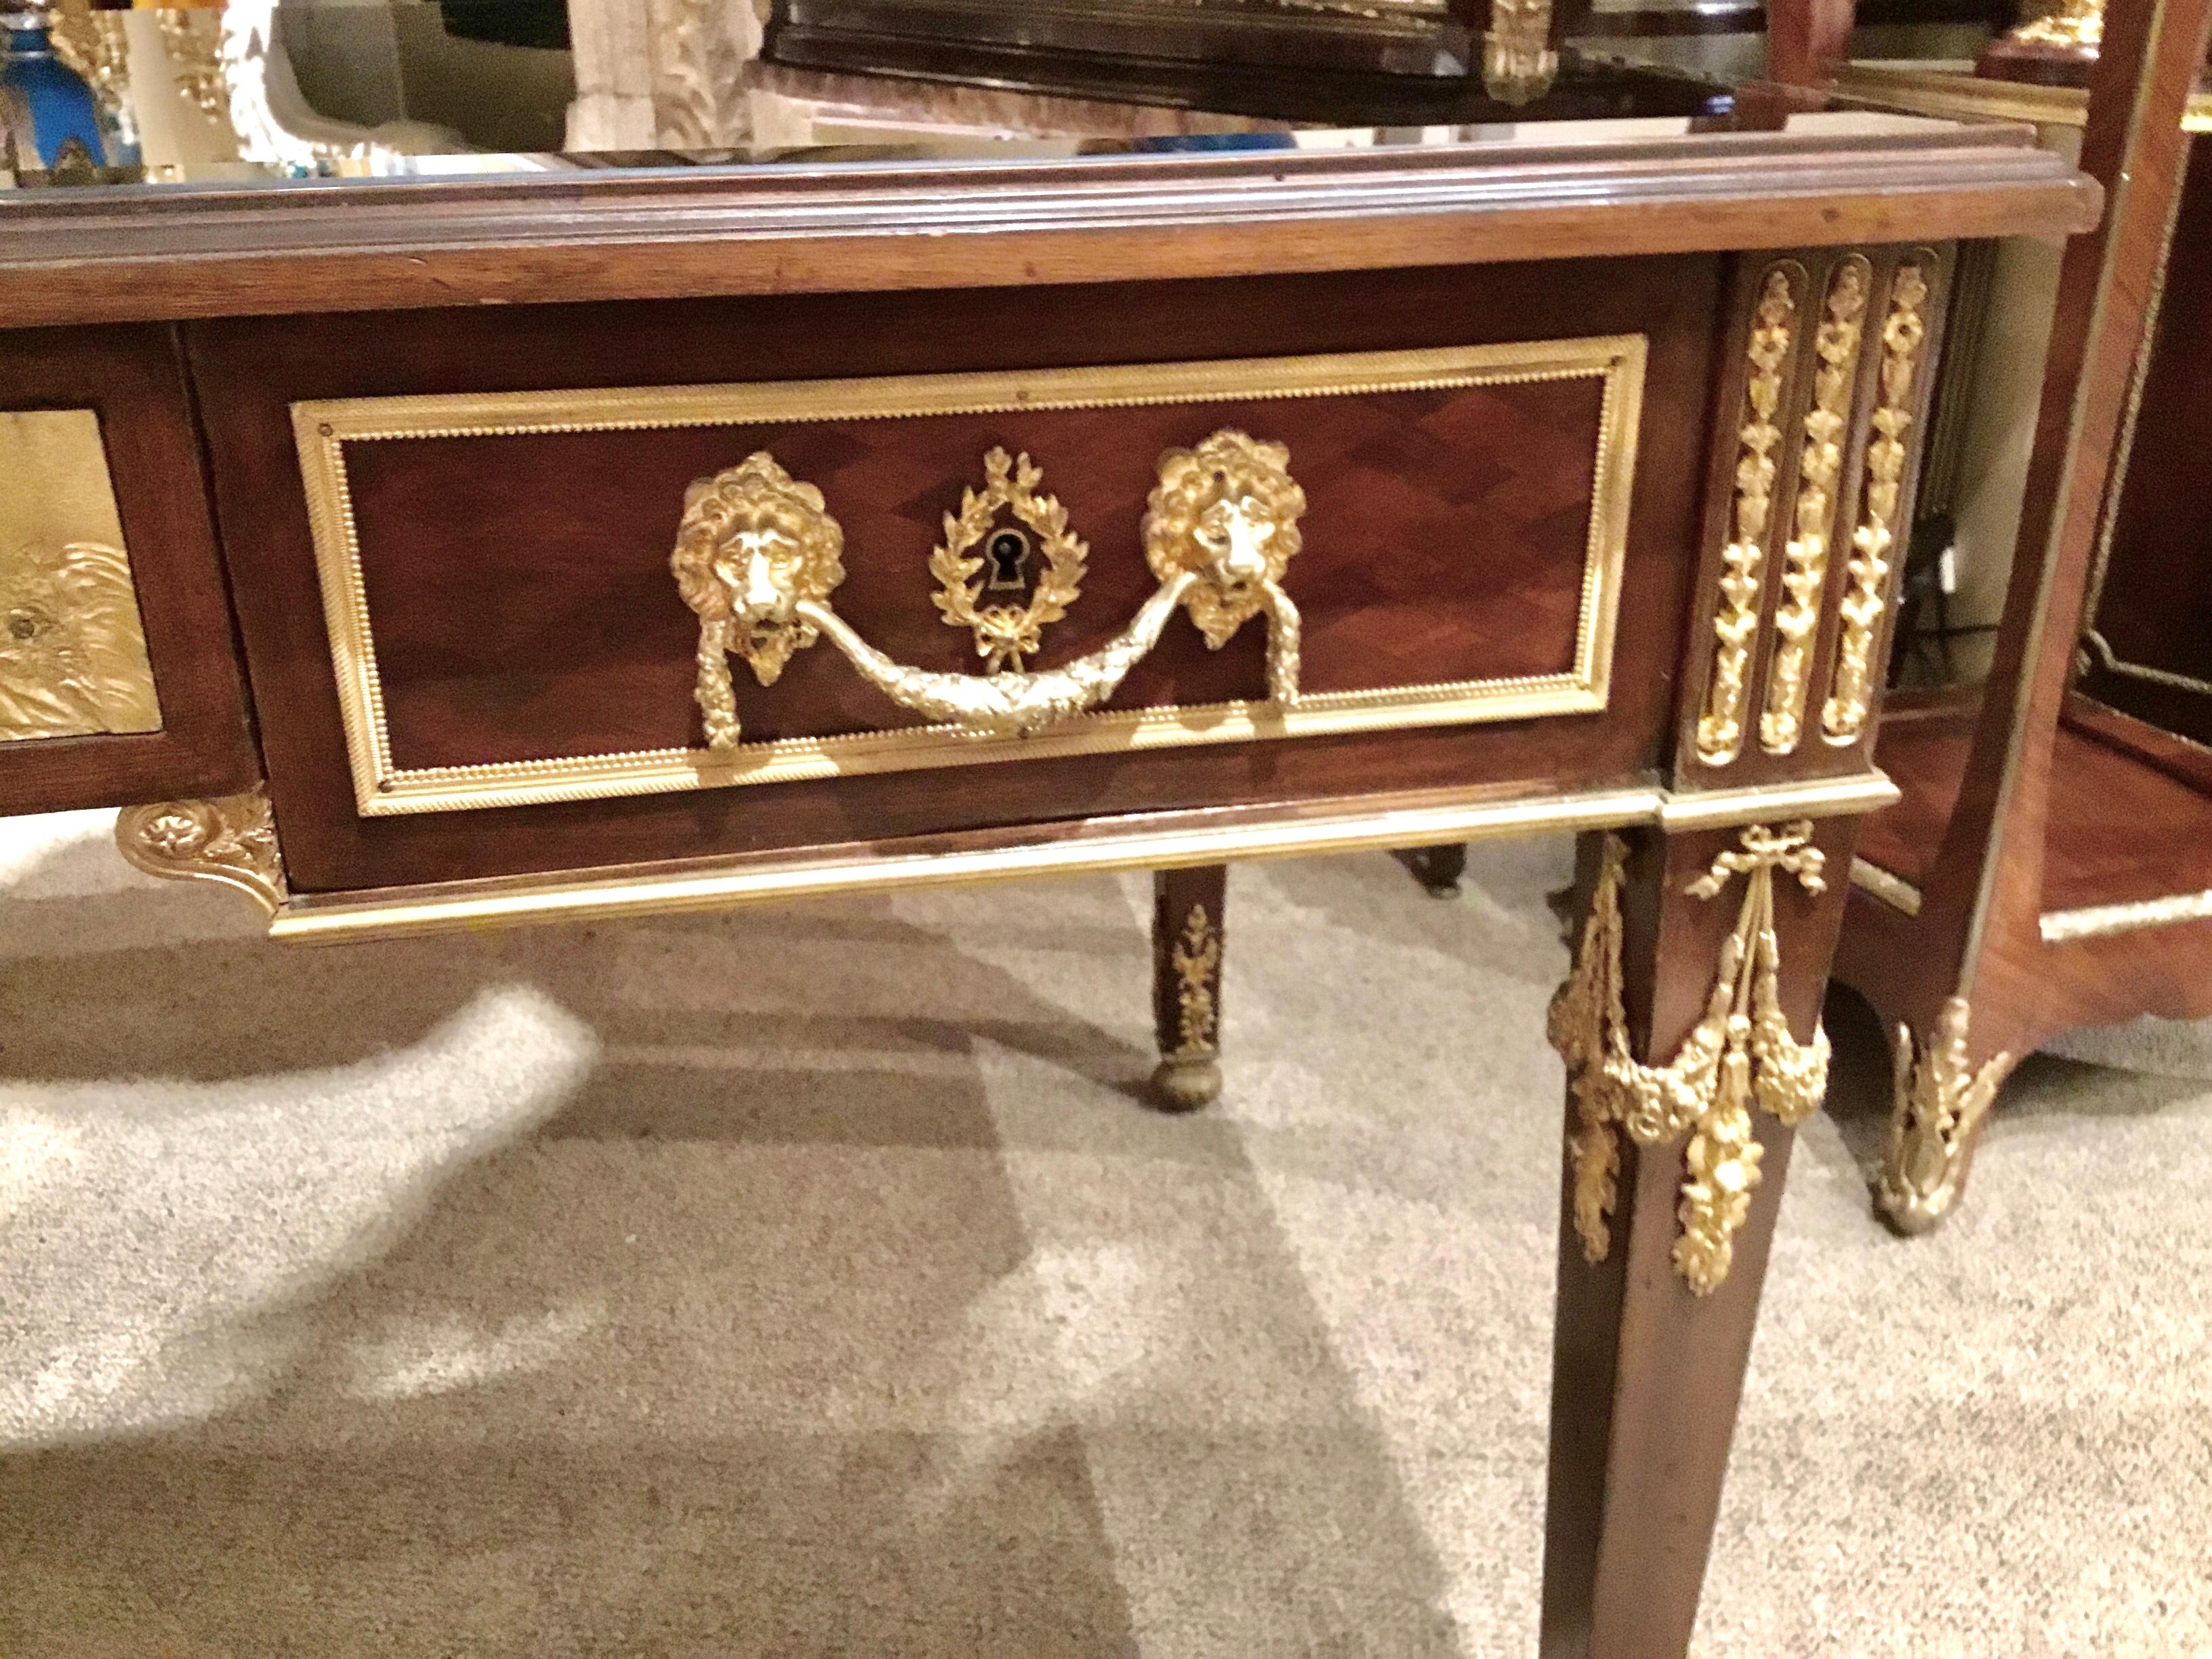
415,555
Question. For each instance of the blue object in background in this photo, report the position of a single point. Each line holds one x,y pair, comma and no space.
1162,142
46,105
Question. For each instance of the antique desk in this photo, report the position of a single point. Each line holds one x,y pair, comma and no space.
423,554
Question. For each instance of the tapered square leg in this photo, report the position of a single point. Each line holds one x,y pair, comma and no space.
1691,1032
1188,942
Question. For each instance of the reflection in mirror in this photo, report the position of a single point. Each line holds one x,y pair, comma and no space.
1405,37
1315,62
299,89
50,111
260,91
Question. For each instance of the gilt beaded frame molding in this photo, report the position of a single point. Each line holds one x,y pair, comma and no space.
382,788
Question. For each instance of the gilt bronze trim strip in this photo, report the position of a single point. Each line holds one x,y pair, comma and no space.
2104,920
1891,888
1819,479
1849,704
810,874
1743,560
1135,843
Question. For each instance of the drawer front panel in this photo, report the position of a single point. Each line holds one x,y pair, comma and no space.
505,628
516,593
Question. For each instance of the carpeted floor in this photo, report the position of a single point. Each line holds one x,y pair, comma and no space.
809,1281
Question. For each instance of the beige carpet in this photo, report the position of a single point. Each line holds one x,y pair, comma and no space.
809,1282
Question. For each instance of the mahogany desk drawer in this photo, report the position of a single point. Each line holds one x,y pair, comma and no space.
1479,492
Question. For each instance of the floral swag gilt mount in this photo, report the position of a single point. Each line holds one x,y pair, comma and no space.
1740,1054
759,557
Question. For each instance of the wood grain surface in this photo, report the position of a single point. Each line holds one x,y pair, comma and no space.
519,592
2155,609
810,226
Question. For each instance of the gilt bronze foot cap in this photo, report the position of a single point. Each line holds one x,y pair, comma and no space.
1184,1086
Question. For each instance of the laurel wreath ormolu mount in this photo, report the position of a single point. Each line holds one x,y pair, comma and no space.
758,555
981,554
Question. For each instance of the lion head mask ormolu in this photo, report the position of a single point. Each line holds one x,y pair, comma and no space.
1228,512
753,543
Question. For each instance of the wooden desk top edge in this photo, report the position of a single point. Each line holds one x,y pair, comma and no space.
101,255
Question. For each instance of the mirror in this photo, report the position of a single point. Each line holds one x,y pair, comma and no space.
322,88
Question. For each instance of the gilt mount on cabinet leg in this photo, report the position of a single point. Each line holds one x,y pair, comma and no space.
1936,1120
1655,1321
1187,961
1740,1054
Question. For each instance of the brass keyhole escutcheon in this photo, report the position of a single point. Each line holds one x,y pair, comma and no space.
989,577
1009,551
